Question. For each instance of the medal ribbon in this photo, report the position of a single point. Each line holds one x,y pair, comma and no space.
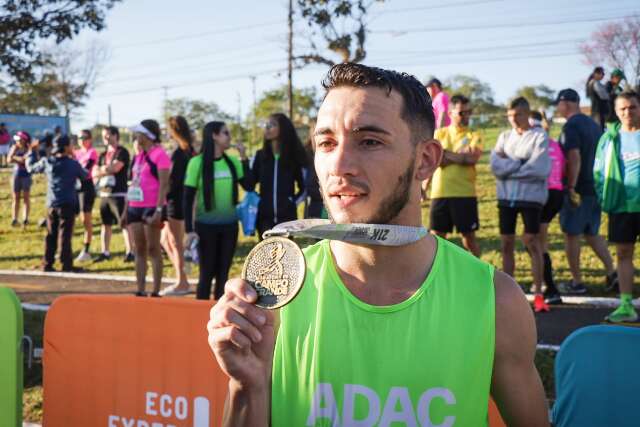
363,234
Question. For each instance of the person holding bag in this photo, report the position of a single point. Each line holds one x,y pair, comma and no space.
213,177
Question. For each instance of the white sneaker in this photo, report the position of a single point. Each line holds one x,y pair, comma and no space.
83,257
173,290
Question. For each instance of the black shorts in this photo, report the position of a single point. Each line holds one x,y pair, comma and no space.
624,227
447,212
111,210
508,217
135,214
87,198
552,207
174,208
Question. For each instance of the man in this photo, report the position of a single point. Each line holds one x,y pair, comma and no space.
453,186
111,179
348,344
520,162
614,88
5,142
62,172
440,102
580,213
87,156
617,182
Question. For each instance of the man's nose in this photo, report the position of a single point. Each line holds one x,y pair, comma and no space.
343,160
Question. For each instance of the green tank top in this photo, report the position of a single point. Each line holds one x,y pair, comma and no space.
426,361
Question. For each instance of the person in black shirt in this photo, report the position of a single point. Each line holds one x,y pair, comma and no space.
278,168
111,183
597,93
172,236
580,213
62,172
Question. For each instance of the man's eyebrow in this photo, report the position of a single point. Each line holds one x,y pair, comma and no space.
359,129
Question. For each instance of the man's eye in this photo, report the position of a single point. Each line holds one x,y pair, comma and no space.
370,143
324,143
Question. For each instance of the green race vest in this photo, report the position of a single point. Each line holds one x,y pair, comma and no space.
426,361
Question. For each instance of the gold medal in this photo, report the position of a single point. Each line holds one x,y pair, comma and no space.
276,269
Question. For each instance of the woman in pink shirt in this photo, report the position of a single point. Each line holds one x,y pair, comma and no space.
555,185
87,156
146,202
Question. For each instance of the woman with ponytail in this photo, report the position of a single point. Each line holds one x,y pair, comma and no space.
173,236
212,183
279,168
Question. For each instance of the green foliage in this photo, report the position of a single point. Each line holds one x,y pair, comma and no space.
197,112
305,104
539,97
479,92
25,24
341,24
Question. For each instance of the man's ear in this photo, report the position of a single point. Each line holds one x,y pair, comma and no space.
428,157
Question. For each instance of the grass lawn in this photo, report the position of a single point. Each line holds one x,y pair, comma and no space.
23,248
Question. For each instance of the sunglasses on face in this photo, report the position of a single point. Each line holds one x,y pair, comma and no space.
225,132
465,113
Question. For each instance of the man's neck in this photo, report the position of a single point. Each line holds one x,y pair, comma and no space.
630,127
383,275
571,114
523,129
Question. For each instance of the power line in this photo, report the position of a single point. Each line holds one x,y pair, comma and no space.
192,36
494,26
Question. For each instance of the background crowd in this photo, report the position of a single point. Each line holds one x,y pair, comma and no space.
183,200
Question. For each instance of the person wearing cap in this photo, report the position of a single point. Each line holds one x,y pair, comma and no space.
88,158
62,172
146,202
580,213
5,142
21,181
617,181
614,88
440,102
520,162
453,186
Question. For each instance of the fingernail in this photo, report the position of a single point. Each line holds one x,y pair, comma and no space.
258,337
261,319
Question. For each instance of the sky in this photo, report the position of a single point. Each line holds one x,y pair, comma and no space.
209,49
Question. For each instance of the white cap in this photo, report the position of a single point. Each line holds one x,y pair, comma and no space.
143,130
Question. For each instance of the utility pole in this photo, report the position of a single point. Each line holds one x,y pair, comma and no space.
290,71
109,111
164,102
253,115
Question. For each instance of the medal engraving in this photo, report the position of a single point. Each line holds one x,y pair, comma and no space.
276,269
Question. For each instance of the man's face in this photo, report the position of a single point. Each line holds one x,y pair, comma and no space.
518,117
85,139
460,114
628,111
365,158
106,137
615,80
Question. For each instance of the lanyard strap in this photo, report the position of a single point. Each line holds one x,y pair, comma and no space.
364,234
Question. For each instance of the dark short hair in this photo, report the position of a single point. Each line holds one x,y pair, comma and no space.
434,81
537,115
519,102
113,130
152,126
629,95
88,132
417,111
459,99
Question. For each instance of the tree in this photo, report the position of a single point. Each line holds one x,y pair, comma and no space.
31,97
197,112
305,101
616,44
24,24
479,92
341,24
539,96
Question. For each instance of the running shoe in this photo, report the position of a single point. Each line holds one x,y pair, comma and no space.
74,270
83,257
611,282
25,222
624,313
43,223
15,223
174,290
573,288
48,269
539,305
102,257
552,297
130,257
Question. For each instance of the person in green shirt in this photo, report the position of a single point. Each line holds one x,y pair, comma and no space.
213,176
417,334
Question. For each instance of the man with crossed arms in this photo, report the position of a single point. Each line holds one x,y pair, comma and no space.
419,334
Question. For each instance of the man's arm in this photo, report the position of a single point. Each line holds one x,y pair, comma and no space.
515,386
573,167
538,165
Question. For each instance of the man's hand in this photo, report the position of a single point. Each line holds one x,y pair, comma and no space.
574,198
242,151
242,337
189,238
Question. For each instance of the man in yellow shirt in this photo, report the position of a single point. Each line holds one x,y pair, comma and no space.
453,186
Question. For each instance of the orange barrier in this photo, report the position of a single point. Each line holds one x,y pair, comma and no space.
495,420
134,362
127,361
